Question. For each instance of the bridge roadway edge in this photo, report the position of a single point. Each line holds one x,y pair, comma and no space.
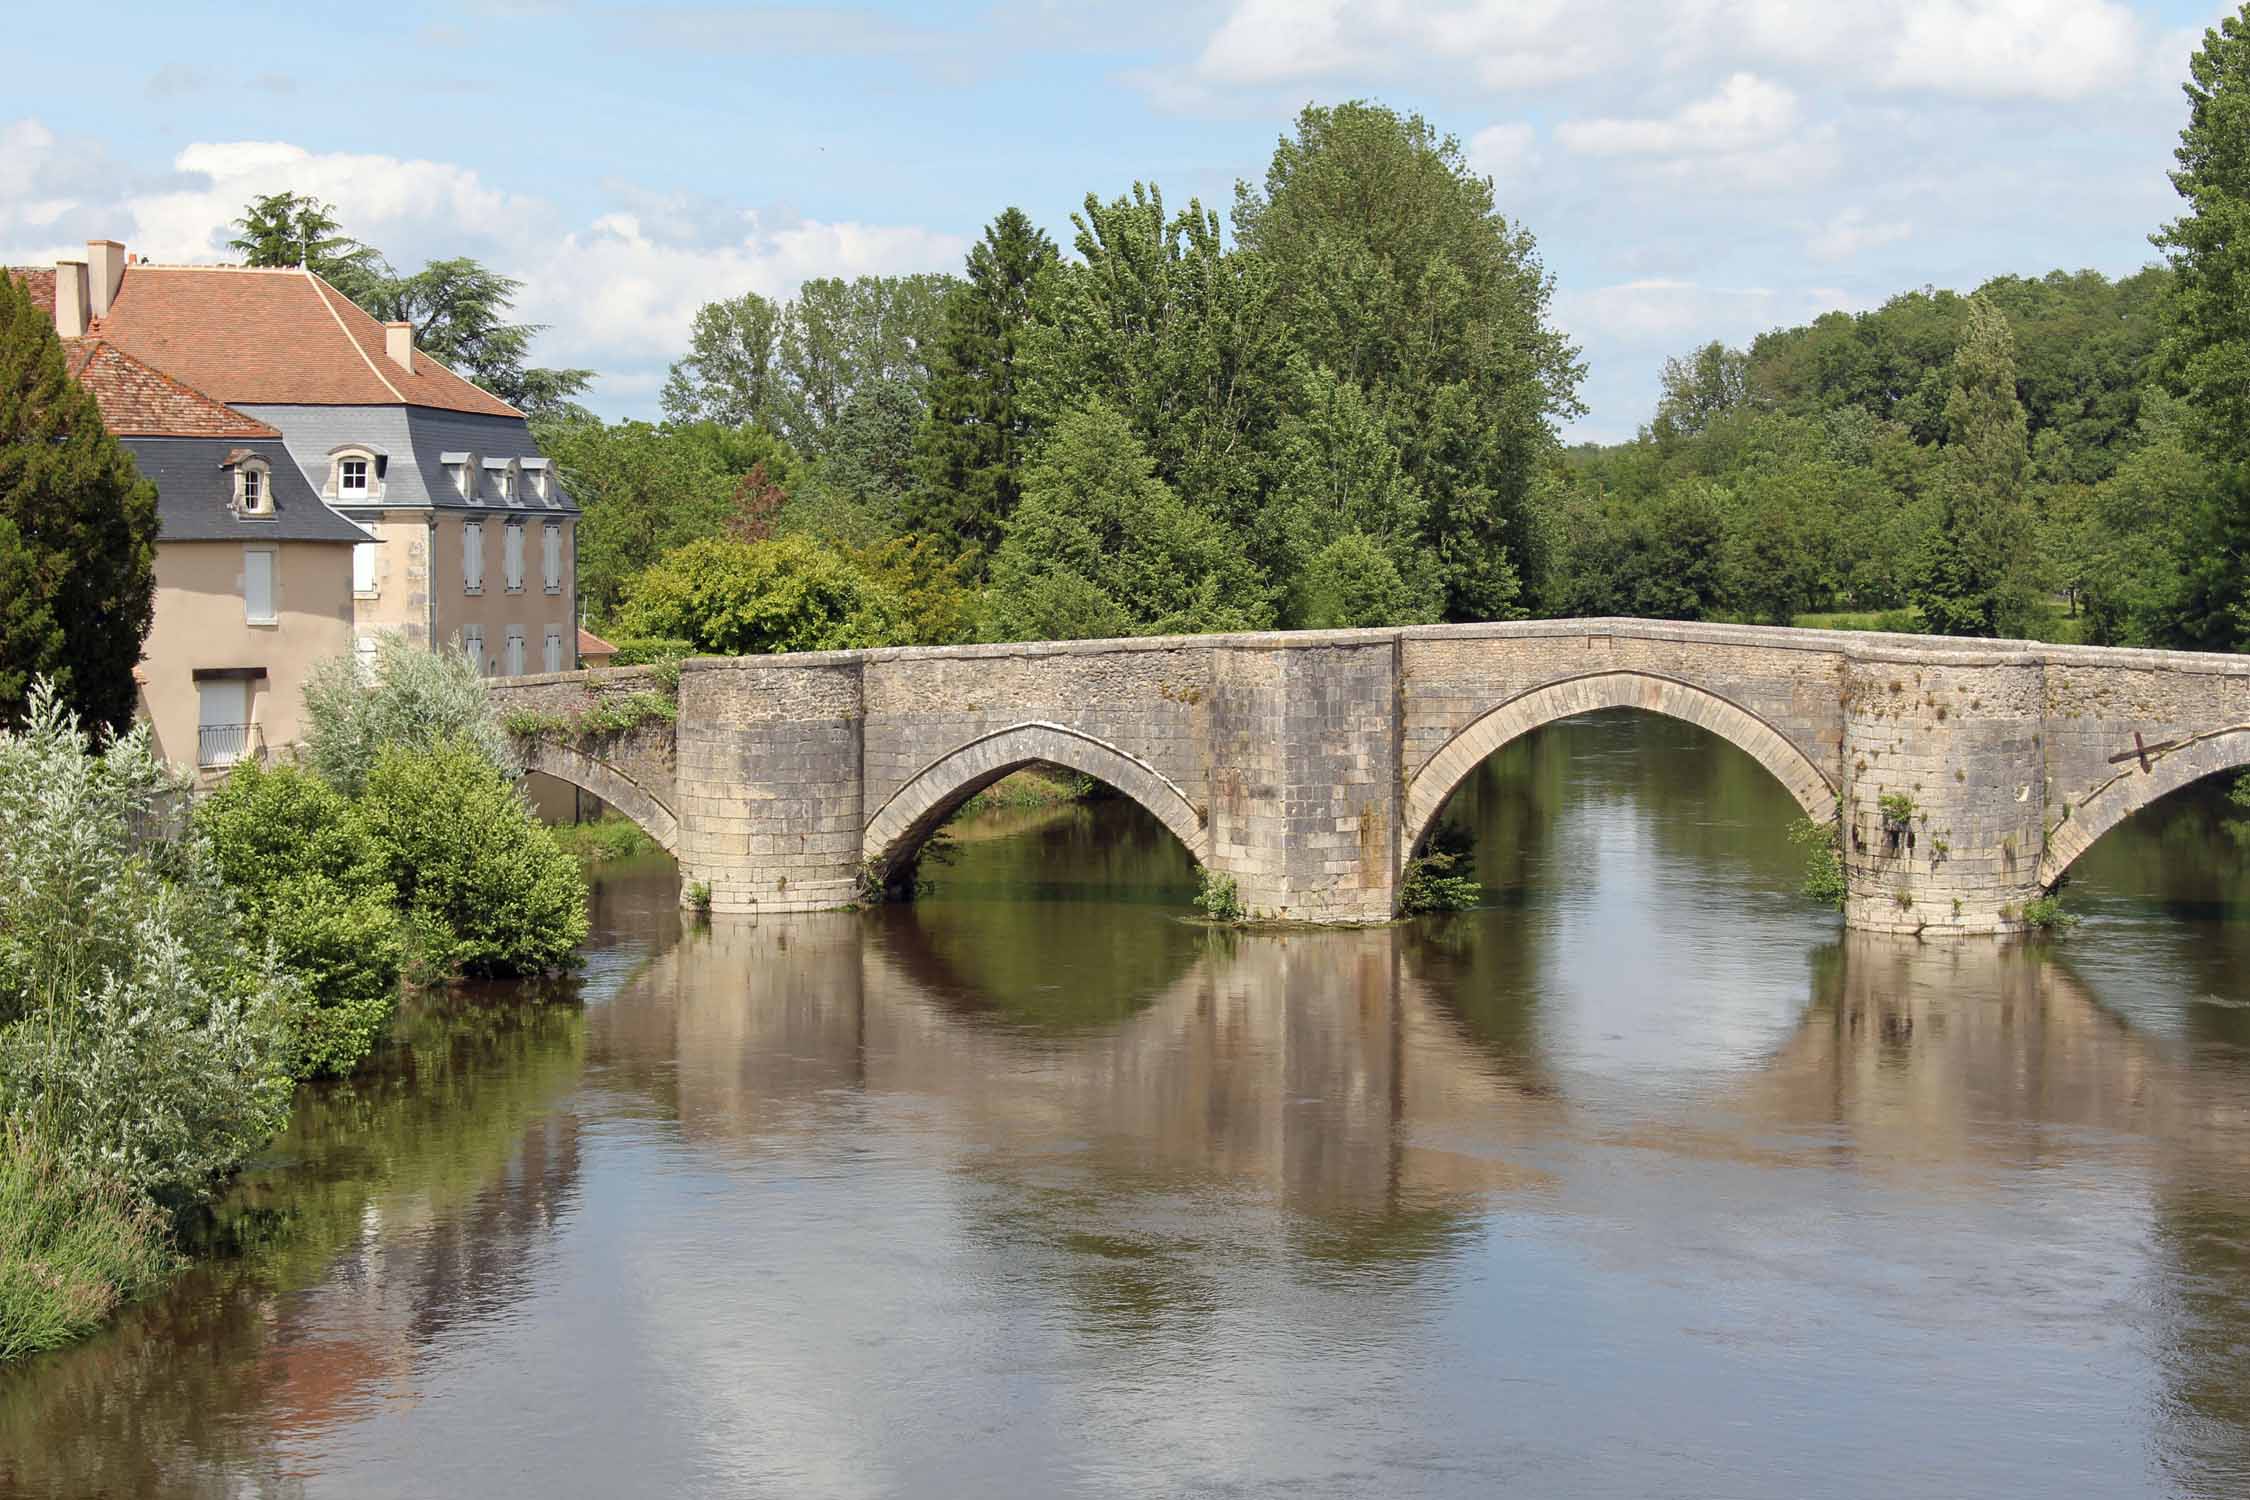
1299,751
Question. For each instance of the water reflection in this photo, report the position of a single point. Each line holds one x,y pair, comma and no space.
1647,1180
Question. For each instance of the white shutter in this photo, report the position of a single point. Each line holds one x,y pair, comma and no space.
511,557
363,567
515,649
257,585
553,541
472,641
554,650
472,556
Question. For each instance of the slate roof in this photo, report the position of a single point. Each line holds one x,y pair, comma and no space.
137,401
195,493
273,337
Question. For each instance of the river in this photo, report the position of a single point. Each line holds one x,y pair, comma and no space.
1646,1179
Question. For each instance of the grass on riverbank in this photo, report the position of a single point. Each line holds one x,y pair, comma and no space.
73,1248
1033,786
612,836
2055,625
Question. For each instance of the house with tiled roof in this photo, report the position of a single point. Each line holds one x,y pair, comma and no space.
469,535
253,571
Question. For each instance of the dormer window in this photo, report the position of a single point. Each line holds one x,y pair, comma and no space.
501,478
352,478
253,484
355,474
539,481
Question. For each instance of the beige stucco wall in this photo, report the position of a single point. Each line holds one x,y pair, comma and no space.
201,622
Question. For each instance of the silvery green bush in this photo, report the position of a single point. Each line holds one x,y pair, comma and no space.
409,697
140,1035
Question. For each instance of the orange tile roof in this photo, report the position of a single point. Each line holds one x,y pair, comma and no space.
590,644
137,401
40,282
273,337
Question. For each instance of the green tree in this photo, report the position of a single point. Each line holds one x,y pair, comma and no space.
2206,346
308,877
733,598
1099,545
1700,388
646,490
1337,470
77,532
1977,571
969,452
486,890
459,309
730,373
1393,267
1352,582
296,229
409,697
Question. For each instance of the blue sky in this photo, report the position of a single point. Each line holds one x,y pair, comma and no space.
1694,169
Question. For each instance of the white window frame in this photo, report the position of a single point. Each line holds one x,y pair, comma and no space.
366,559
472,557
253,488
550,546
272,563
511,556
345,489
239,690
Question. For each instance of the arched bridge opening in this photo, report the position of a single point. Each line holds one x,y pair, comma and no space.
1433,784
2140,781
904,823
576,768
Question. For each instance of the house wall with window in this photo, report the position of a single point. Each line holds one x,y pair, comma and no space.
239,625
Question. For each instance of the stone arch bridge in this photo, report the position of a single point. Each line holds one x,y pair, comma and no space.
1966,776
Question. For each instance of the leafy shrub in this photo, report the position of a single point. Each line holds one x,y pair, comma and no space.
611,837
486,889
1216,896
739,598
1433,881
649,650
140,1035
1824,861
309,877
408,697
2047,915
73,1245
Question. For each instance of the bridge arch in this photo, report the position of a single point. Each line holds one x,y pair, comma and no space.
2130,789
569,764
1510,720
932,794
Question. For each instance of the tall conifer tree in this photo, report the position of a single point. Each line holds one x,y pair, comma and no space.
2206,348
1977,577
970,449
77,531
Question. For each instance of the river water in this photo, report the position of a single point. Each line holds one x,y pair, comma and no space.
1644,1180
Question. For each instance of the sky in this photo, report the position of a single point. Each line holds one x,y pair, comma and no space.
1691,169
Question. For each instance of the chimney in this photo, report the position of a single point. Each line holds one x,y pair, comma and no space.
105,266
70,298
398,343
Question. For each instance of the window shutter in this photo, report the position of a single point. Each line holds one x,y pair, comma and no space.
363,567
511,556
472,555
257,584
553,543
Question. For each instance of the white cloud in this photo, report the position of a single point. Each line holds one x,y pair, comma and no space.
1504,152
2044,49
618,292
1746,112
1850,232
1668,314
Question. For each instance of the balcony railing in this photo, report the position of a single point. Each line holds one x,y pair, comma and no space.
224,744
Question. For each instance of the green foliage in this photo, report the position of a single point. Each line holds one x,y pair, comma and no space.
410,697
2206,349
140,1036
1897,808
742,598
1100,546
699,897
1978,570
651,650
459,309
1351,583
970,450
610,837
1824,860
309,878
2046,914
1434,880
486,891
77,532
1216,896
74,1246
297,229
